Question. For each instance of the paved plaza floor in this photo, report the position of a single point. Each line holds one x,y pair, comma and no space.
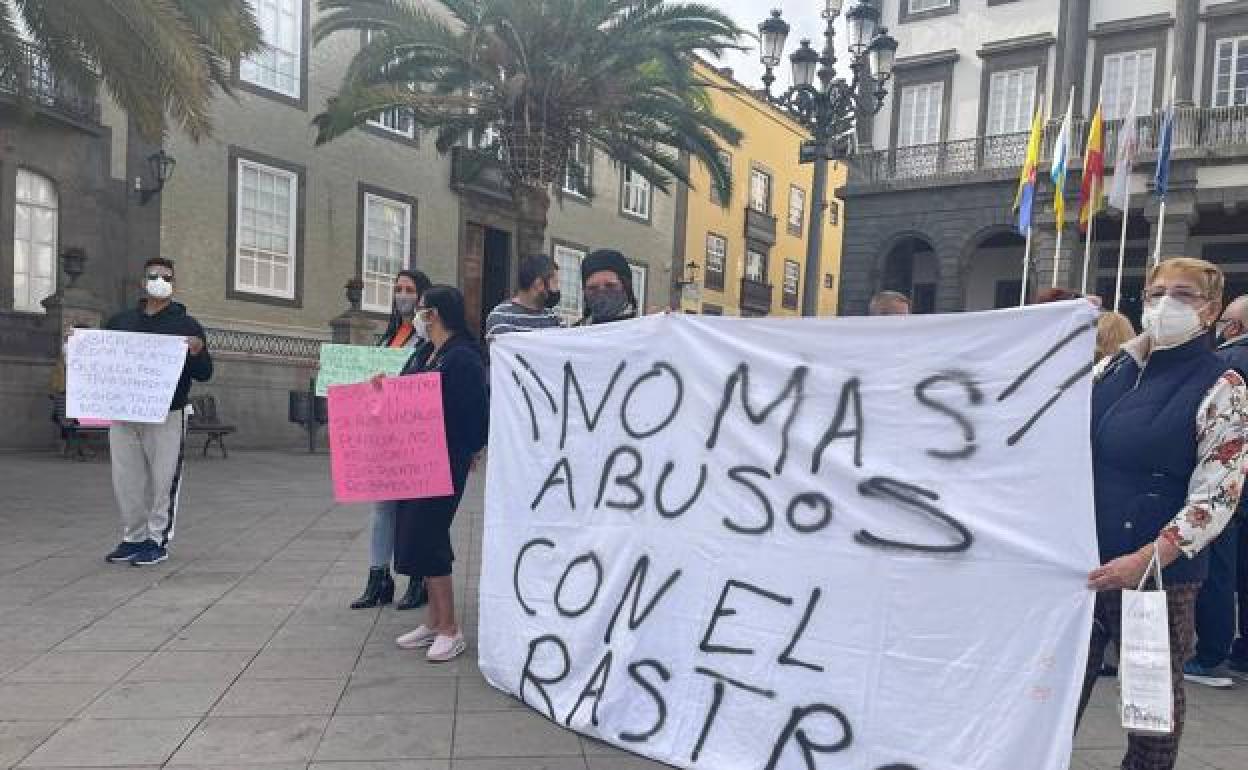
240,652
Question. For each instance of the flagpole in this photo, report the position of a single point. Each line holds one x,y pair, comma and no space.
1022,299
1122,257
1064,136
1168,118
1057,256
1087,249
1161,229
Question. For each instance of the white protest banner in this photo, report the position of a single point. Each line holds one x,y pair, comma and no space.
124,376
773,544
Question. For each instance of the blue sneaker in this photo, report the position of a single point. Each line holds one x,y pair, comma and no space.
1216,676
126,551
151,554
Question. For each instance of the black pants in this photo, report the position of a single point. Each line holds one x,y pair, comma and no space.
1240,650
1215,607
422,529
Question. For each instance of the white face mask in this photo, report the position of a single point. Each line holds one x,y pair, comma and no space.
159,289
1171,323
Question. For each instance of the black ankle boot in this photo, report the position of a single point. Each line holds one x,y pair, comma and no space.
380,590
416,595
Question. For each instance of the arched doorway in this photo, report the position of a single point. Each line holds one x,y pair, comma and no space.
994,275
910,268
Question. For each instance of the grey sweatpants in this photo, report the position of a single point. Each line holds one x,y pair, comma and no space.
147,474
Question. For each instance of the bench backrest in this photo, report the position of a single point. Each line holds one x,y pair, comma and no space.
205,410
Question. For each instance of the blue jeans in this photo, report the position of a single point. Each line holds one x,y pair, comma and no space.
381,547
1215,607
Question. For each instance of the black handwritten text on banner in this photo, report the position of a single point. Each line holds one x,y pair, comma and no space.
777,545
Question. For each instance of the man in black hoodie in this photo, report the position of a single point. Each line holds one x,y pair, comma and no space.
147,457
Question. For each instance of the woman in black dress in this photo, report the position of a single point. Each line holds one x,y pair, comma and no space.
423,532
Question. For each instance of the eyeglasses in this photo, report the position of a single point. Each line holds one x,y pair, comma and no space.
160,277
1181,293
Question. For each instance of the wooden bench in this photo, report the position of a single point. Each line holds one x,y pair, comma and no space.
205,422
75,437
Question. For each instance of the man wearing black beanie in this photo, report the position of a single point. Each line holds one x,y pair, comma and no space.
607,284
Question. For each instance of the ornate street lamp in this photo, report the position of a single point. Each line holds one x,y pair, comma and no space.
829,107
161,165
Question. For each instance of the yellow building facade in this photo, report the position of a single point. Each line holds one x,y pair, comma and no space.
750,251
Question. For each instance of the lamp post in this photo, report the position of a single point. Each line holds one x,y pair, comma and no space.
829,108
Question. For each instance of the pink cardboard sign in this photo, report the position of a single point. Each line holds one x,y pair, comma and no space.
94,422
388,444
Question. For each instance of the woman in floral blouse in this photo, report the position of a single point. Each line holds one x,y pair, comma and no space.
1169,422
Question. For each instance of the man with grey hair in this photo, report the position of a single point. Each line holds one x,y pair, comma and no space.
889,303
1228,563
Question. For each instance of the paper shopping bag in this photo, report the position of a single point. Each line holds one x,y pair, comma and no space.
1144,674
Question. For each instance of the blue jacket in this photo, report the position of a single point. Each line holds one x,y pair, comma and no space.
1144,447
465,395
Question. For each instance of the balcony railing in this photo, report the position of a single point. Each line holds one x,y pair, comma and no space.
1198,131
34,77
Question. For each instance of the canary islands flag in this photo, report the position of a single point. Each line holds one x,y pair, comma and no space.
1026,194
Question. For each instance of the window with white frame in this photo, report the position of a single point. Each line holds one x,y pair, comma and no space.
920,6
35,210
569,261
386,248
760,191
396,120
1127,77
919,119
277,66
716,259
797,209
576,173
635,200
1230,72
1011,100
265,256
639,286
755,266
792,281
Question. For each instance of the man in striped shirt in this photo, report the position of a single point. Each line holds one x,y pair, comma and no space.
532,307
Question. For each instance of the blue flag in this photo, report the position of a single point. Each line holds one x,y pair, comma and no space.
1161,180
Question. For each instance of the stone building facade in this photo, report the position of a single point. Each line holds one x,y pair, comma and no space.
930,193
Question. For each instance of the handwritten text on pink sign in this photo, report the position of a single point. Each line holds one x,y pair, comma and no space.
388,444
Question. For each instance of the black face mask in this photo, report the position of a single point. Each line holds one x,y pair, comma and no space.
553,298
607,305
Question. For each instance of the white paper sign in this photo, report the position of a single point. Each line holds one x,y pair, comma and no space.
123,376
788,544
1147,694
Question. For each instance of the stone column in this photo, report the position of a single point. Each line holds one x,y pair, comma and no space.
1186,24
353,327
1072,55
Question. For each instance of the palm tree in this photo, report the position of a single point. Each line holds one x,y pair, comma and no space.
160,59
542,76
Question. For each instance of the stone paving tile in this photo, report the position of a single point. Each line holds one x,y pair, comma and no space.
209,637
46,700
302,664
77,666
387,736
106,638
511,734
397,764
292,637
180,666
234,741
155,700
291,697
514,763
36,634
17,739
111,742
242,615
398,695
12,660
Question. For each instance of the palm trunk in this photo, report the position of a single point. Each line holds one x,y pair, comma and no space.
532,205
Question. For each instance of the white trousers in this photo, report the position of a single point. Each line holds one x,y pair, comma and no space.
147,474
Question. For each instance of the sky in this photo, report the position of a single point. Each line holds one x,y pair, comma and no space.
805,21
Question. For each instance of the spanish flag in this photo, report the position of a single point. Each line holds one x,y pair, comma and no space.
1026,194
1092,192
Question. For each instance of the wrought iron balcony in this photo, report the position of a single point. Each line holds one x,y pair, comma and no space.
478,171
1198,132
755,297
34,77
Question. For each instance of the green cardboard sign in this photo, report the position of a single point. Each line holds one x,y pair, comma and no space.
349,364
